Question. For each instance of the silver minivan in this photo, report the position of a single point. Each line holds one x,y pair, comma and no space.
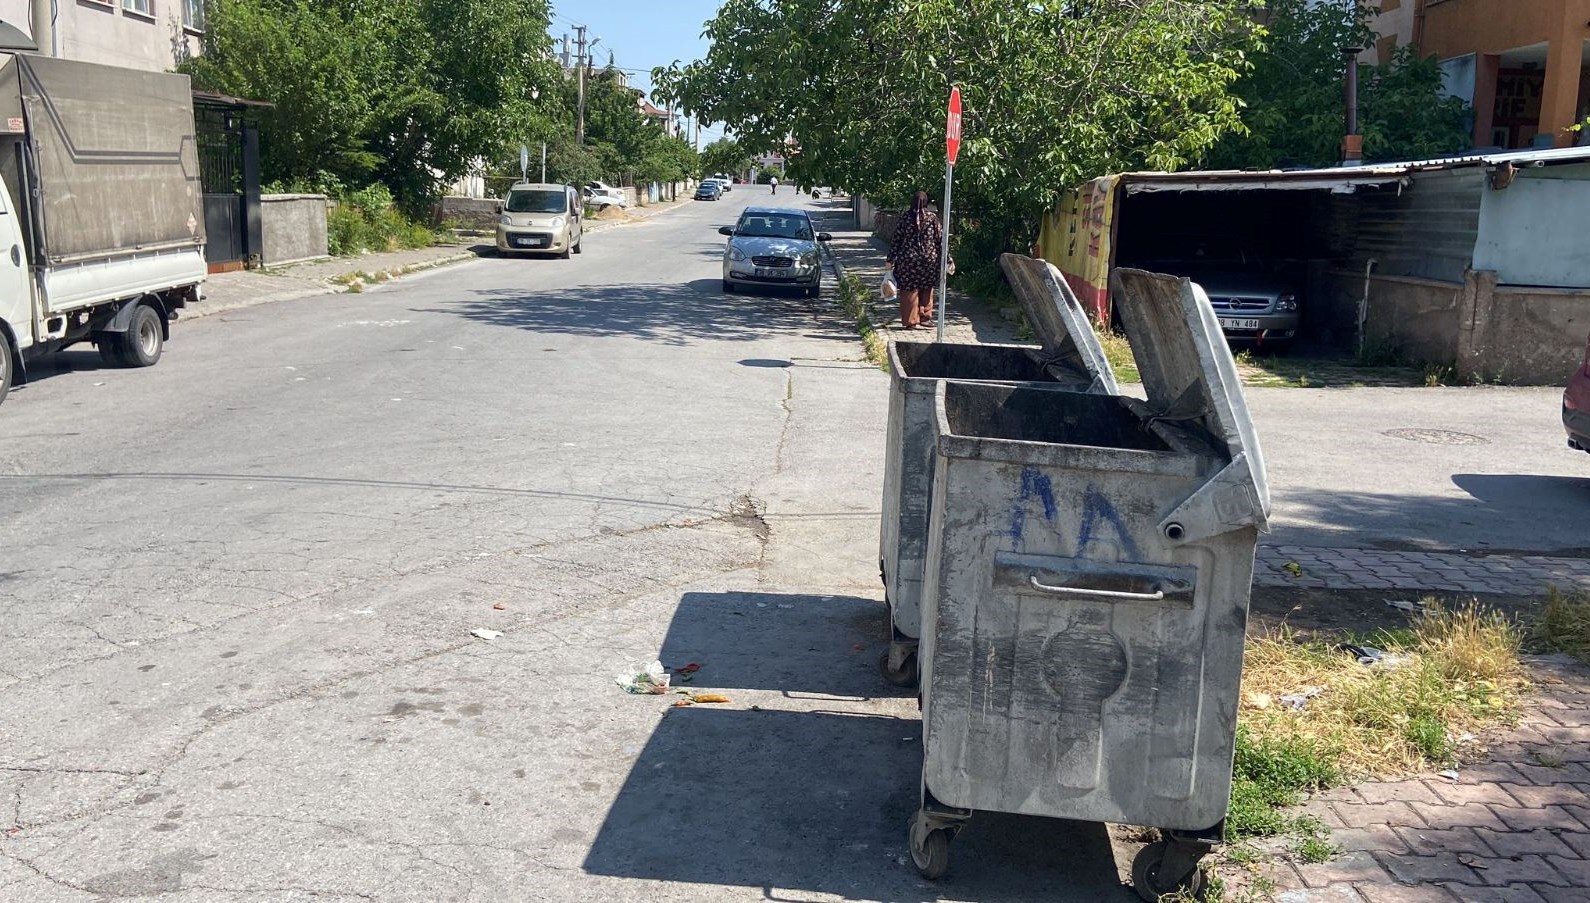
540,219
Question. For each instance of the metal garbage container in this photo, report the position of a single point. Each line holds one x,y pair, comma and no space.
1089,566
1070,358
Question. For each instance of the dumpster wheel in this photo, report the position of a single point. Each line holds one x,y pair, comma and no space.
905,675
1151,886
930,850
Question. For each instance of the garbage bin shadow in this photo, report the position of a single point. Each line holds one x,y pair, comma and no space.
817,803
800,645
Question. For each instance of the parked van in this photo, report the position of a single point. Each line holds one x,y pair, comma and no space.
542,219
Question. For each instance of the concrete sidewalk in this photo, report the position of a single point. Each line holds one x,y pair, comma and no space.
231,291
857,253
247,288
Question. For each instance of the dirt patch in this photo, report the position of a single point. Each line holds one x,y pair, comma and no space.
1309,611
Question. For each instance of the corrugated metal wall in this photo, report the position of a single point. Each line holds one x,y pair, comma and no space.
1428,231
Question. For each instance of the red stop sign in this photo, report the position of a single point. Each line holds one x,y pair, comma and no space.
952,127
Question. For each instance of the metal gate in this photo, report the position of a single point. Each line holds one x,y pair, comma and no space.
229,174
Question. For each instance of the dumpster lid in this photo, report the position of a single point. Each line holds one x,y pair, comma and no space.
1190,378
1063,327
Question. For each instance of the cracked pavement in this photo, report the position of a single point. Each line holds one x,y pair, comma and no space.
237,593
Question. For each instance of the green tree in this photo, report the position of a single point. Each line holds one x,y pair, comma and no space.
1055,92
404,92
1293,95
725,155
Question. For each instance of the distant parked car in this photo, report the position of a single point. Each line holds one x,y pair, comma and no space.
708,191
1257,307
601,201
598,189
775,247
1576,405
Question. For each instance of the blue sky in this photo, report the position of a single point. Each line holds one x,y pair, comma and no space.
641,34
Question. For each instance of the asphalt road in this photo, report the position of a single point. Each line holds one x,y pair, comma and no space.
237,593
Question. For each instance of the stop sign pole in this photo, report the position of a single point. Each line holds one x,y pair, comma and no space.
952,149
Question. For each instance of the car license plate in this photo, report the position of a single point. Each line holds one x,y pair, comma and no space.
1239,324
530,242
770,273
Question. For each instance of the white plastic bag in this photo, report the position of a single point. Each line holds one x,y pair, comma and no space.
888,288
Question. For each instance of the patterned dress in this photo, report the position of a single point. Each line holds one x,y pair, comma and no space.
915,252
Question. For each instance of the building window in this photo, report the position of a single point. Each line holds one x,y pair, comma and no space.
141,7
193,15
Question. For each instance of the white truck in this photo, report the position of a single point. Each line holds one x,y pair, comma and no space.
102,213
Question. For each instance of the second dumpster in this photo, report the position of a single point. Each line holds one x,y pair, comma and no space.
1089,566
1071,358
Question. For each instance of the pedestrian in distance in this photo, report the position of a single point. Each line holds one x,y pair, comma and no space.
774,182
914,254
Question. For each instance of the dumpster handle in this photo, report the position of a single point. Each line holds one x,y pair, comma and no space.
1098,593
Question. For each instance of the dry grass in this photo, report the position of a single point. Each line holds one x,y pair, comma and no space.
1119,353
856,298
1452,674
1563,625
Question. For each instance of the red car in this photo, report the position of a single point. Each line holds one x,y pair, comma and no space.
1576,405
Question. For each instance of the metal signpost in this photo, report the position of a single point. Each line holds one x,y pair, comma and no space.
952,148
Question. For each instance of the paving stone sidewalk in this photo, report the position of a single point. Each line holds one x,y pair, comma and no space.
1514,827
1321,567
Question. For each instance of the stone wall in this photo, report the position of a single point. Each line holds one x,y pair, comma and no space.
479,214
294,228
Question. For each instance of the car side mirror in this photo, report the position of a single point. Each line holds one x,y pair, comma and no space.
725,230
824,236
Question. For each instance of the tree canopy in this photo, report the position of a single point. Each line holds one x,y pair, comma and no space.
403,92
1294,104
725,155
1055,91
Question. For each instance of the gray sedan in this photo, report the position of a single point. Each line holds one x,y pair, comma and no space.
776,247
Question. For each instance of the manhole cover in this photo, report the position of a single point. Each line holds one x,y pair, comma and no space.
1437,437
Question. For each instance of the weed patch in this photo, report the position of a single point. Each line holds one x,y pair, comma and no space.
854,297
1119,353
1314,717
1563,625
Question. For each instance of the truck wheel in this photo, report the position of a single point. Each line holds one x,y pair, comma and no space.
141,344
7,367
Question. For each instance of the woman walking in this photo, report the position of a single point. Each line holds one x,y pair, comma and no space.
914,254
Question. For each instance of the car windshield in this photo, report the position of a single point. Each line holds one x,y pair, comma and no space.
537,201
772,225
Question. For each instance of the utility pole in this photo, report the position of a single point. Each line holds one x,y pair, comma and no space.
579,123
565,53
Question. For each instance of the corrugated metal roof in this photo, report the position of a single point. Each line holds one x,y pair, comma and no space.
1337,179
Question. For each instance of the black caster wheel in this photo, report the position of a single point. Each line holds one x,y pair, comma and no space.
1151,887
931,852
906,676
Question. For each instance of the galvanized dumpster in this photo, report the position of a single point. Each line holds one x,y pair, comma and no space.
1070,359
1089,566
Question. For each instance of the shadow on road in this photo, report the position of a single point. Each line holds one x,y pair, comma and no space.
797,644
1503,512
676,314
817,802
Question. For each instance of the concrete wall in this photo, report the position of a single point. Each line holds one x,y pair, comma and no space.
1512,334
294,227
1534,231
101,31
479,214
1531,336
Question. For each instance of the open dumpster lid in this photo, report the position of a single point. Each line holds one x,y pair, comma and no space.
1190,378
1063,327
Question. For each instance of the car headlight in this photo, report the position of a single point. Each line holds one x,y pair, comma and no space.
810,259
557,222
1286,304
505,220
736,253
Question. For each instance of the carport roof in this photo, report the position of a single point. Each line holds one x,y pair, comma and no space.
1340,179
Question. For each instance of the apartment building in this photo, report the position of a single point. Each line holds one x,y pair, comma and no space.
1520,63
137,34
